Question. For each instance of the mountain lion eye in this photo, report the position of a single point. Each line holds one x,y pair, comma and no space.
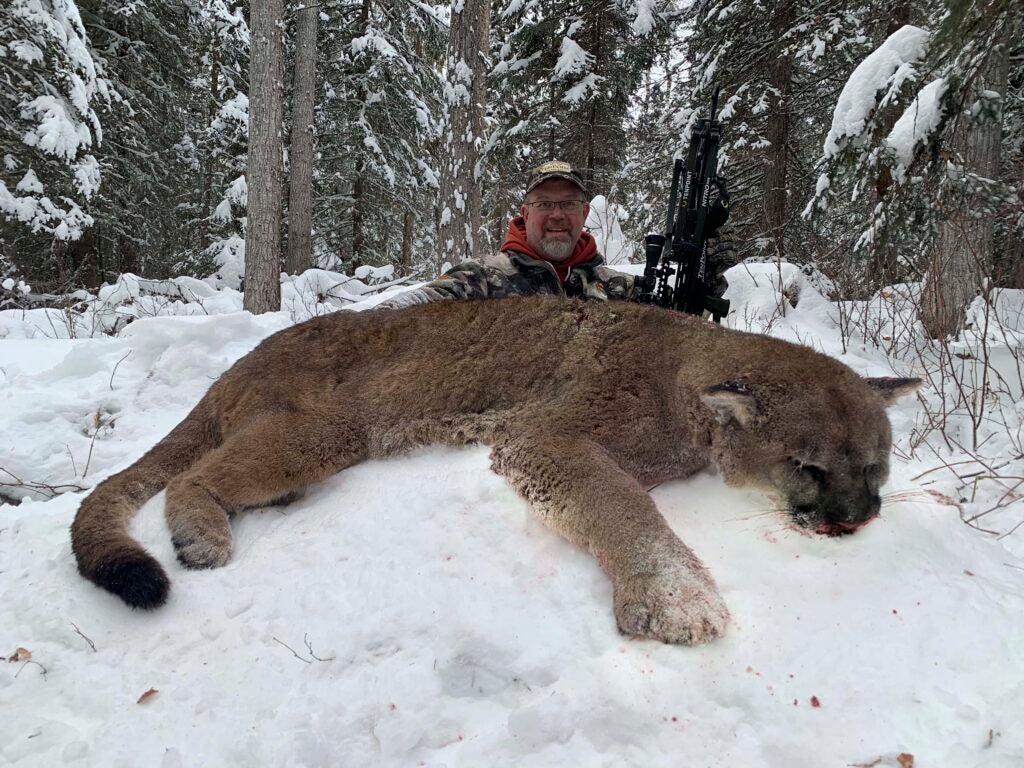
817,474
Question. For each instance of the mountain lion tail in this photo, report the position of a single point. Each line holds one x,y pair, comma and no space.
106,554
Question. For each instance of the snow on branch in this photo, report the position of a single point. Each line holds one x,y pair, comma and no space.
54,115
572,60
918,122
643,13
855,140
875,83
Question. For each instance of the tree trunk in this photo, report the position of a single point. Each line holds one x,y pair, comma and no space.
552,106
211,114
77,261
405,266
1008,270
300,197
777,132
596,31
357,216
264,165
965,248
460,199
360,168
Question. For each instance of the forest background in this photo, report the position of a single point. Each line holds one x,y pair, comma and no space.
871,143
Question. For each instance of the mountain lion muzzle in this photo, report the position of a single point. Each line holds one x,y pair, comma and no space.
584,406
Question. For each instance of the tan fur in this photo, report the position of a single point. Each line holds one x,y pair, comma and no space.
584,406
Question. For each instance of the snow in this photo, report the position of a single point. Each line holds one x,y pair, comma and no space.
586,85
57,131
229,254
234,110
374,41
885,69
27,51
414,612
30,183
643,23
87,176
572,59
918,122
604,222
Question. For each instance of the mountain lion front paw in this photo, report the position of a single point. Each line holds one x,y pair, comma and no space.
674,605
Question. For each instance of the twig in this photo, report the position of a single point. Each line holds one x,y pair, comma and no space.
115,368
304,661
27,662
44,488
1012,530
947,466
309,646
74,467
88,459
79,632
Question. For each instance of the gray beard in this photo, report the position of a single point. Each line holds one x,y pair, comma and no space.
557,250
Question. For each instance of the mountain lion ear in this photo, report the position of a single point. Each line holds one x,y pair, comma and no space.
731,401
891,388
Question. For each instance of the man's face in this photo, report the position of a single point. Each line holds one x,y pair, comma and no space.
554,233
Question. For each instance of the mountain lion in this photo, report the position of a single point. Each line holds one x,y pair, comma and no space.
584,406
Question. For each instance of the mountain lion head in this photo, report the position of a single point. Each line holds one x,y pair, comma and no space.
823,451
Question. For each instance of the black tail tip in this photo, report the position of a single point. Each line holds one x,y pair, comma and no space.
136,578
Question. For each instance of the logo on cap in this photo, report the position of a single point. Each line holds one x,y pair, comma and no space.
553,166
554,169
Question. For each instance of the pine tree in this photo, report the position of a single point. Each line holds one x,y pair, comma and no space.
300,155
779,65
924,113
459,201
964,253
562,87
265,164
377,131
50,132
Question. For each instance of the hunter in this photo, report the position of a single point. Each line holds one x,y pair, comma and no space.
545,251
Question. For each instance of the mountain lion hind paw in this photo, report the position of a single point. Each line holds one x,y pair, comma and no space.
197,552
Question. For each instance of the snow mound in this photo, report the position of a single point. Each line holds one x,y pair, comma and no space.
414,612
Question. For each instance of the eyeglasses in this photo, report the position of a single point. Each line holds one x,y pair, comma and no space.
547,206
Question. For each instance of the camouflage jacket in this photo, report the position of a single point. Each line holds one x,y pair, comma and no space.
510,273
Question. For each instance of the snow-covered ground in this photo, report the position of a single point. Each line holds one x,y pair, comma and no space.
412,611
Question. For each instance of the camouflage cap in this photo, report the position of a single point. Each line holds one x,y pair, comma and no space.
554,169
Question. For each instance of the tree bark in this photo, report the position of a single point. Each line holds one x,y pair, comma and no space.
300,179
77,261
596,32
776,160
405,267
211,114
965,248
358,198
357,216
460,199
264,165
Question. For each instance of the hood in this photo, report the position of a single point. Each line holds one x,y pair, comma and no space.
515,240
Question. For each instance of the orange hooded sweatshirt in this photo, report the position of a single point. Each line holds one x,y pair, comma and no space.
515,240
